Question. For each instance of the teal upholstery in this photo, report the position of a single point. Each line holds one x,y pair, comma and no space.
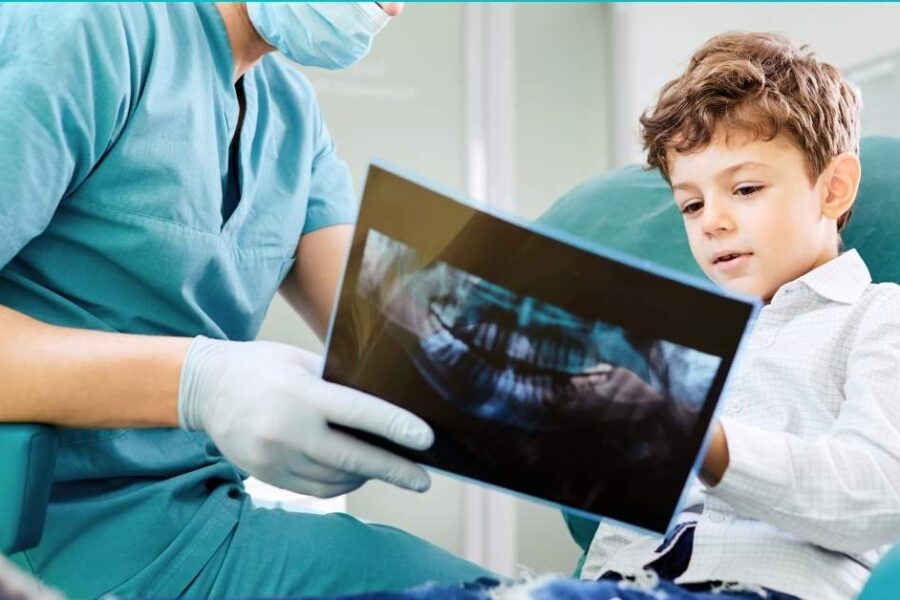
884,584
631,210
27,453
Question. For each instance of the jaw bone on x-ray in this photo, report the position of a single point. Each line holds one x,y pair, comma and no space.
544,366
521,361
527,366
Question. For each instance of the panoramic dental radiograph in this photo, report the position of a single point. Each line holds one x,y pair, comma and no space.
518,390
544,365
520,361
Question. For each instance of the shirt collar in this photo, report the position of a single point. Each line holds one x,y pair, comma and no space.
842,279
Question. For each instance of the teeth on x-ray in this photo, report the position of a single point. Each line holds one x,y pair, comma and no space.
490,335
491,351
501,374
480,334
519,347
498,345
445,347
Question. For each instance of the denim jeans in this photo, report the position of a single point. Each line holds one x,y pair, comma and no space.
659,576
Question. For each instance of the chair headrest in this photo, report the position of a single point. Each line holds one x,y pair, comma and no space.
631,210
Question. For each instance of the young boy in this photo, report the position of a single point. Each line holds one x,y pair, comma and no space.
799,495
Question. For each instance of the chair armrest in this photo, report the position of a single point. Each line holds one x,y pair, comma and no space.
884,583
27,457
582,529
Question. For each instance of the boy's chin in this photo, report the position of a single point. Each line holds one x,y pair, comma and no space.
746,287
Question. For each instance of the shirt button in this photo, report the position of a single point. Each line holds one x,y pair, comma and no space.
762,340
734,407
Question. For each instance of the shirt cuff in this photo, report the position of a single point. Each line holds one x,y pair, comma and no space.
759,467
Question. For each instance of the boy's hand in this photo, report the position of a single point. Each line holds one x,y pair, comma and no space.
716,460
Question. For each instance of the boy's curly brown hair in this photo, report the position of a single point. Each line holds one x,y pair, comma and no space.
758,83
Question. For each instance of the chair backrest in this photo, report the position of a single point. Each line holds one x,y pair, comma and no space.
631,210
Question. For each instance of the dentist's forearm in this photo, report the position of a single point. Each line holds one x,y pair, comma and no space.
83,378
311,285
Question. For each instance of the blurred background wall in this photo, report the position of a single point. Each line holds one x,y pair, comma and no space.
514,104
651,44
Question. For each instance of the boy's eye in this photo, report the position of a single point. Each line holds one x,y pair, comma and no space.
689,208
747,190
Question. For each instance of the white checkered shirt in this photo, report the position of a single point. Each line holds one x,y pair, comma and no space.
810,500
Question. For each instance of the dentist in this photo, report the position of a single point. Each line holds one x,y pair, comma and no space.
163,176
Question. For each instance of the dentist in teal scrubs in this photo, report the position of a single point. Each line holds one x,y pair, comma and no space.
162,176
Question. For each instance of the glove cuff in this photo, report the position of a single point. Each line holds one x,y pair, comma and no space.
193,387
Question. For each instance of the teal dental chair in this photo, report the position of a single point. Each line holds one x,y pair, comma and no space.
630,210
27,454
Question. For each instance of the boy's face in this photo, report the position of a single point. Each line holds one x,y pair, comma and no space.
753,219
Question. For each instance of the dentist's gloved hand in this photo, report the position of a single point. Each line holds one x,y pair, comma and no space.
267,411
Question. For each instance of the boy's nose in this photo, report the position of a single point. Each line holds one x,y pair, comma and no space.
716,218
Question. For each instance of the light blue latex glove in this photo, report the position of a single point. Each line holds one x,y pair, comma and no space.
267,411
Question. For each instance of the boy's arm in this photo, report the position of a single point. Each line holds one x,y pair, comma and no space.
841,490
716,460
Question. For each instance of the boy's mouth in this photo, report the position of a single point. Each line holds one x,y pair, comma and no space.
728,256
730,262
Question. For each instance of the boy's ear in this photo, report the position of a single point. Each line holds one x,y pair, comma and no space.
840,181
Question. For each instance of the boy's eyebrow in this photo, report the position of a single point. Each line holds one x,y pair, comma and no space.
683,186
734,168
687,185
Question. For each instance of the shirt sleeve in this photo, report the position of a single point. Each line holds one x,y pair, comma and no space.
59,106
841,490
331,198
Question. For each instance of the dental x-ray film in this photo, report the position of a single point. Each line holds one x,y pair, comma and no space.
546,367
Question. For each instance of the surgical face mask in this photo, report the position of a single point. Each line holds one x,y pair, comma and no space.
332,35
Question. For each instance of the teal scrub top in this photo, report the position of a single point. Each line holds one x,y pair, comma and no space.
115,124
